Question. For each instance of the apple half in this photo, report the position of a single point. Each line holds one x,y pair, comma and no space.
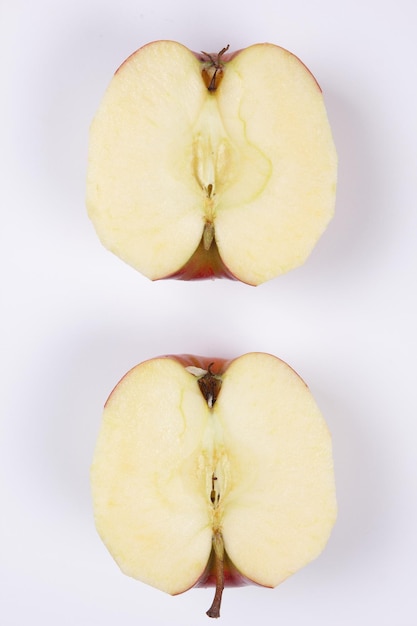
213,472
211,165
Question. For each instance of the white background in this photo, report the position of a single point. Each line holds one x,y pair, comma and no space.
74,318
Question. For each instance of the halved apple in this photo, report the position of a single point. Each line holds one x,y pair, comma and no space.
204,165
213,472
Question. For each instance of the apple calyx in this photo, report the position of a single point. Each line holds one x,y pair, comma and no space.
210,385
212,71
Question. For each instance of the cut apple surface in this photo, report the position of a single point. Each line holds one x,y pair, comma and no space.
206,165
212,472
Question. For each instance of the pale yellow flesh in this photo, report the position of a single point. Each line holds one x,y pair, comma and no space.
255,158
159,447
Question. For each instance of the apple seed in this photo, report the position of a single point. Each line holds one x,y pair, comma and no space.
208,235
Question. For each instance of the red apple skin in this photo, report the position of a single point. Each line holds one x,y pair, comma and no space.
203,265
232,576
228,56
203,57
217,365
200,56
225,58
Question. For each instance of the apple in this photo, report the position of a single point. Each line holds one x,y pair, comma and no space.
213,472
211,165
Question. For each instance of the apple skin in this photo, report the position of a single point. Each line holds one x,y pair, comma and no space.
226,57
232,576
217,365
203,265
203,57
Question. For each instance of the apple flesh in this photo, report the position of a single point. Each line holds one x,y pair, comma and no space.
213,472
211,165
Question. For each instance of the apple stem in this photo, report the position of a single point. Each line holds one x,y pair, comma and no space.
218,546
